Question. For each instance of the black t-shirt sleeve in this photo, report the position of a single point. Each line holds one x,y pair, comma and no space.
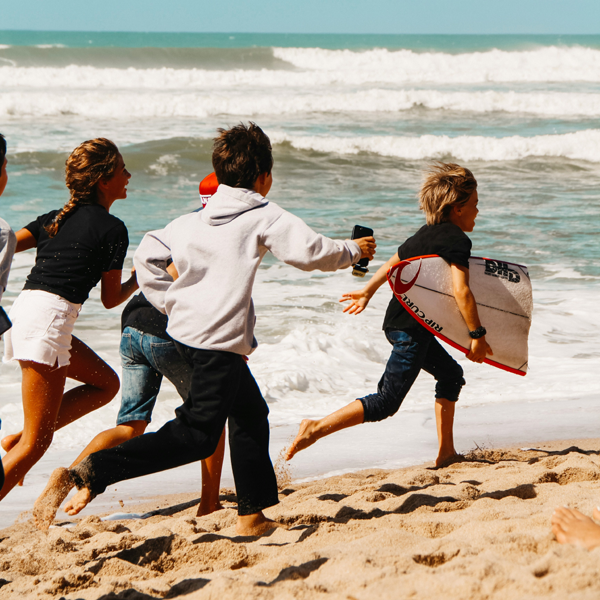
114,248
459,252
35,227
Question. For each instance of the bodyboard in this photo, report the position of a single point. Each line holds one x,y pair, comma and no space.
502,290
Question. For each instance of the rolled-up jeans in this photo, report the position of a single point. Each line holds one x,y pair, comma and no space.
414,349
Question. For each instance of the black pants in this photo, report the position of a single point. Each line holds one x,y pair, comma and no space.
222,387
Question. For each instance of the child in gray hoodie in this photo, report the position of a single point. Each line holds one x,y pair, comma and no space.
216,253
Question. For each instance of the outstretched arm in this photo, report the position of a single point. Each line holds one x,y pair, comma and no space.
112,291
360,298
468,309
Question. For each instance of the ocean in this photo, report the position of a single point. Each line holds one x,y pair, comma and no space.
353,120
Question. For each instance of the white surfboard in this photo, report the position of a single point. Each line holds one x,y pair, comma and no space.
502,290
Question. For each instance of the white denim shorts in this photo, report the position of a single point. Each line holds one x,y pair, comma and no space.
42,328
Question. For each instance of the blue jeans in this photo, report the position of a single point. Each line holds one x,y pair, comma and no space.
145,360
413,349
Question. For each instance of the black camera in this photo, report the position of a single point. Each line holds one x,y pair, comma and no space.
360,269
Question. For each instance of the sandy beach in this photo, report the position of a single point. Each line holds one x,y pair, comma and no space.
477,529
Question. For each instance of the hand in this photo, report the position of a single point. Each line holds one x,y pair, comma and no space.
358,301
367,247
479,350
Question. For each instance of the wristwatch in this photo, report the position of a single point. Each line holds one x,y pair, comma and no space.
478,333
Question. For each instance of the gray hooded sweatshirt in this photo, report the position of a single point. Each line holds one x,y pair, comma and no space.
217,252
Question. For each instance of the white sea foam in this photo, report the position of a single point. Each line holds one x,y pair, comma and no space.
580,145
544,64
146,104
317,67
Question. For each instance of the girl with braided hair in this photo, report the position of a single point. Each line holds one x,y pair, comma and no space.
77,247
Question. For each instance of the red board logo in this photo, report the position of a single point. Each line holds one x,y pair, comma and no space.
399,286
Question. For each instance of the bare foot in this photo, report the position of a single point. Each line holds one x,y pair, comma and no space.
256,524
78,502
306,437
571,527
448,459
45,507
207,509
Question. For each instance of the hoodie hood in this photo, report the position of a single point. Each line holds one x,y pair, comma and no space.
227,203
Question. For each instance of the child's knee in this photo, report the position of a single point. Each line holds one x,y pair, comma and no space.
378,407
112,384
450,388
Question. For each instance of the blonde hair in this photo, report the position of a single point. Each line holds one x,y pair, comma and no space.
86,166
445,185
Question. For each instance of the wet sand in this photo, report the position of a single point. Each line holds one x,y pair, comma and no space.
479,529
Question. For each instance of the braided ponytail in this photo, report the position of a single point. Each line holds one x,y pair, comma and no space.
85,167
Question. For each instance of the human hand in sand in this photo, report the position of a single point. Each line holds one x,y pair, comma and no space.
572,527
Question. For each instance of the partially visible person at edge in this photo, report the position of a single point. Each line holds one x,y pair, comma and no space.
573,527
8,243
216,253
449,200
147,354
77,246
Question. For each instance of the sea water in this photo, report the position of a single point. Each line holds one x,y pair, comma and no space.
354,120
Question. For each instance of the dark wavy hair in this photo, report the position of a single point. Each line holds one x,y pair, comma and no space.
241,154
86,166
2,149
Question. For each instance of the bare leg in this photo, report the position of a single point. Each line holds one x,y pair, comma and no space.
444,418
112,437
101,385
571,527
211,480
255,524
311,431
42,388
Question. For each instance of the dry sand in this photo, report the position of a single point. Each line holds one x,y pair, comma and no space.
475,530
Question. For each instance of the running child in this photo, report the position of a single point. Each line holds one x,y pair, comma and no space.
148,354
449,200
77,247
216,253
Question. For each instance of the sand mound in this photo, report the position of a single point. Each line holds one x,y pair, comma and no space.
478,529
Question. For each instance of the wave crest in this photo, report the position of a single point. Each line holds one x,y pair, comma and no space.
581,145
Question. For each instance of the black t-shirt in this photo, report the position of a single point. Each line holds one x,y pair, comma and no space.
444,239
89,242
141,315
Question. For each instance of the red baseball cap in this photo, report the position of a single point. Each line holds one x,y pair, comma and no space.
208,186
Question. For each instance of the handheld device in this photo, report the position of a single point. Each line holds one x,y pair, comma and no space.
5,323
360,269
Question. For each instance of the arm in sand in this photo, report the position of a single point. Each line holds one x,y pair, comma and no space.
468,309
